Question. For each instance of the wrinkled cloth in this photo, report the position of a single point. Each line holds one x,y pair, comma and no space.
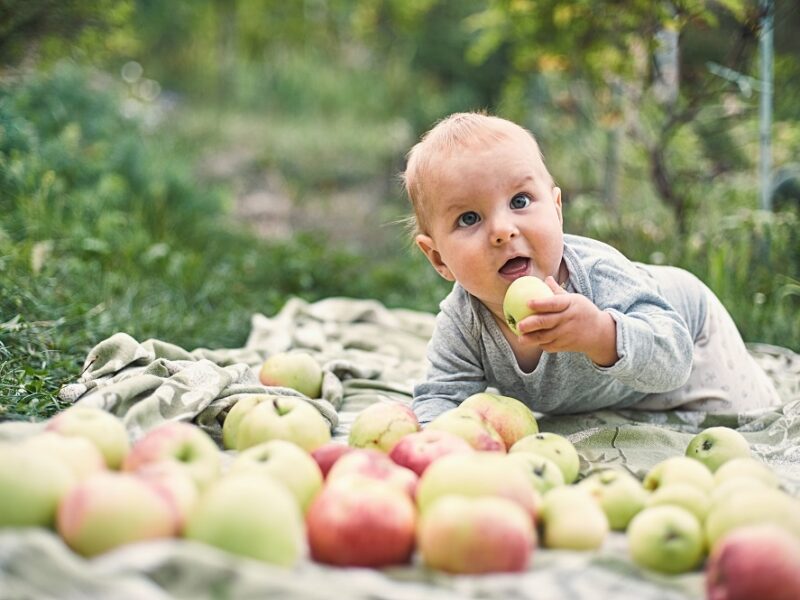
370,354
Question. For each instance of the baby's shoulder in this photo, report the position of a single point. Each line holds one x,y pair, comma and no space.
460,309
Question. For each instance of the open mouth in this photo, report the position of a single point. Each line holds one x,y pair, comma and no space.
515,267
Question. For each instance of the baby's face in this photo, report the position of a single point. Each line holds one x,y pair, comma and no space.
493,215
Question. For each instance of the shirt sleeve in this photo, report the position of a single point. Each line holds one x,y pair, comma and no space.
455,370
653,341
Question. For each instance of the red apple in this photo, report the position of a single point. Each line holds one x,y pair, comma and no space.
327,455
109,509
486,534
512,419
470,426
361,522
754,562
417,450
375,465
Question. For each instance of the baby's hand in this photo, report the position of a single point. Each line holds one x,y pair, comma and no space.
570,323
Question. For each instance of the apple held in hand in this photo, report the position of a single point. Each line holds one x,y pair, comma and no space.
250,515
296,370
283,418
417,451
110,509
619,494
572,519
327,455
474,475
103,429
374,464
509,417
757,562
716,445
679,469
475,535
518,294
471,427
382,425
667,539
359,521
287,463
555,447
183,443
32,485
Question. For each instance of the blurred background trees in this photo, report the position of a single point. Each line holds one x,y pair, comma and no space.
198,161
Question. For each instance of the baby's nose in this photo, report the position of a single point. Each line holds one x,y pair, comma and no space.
503,232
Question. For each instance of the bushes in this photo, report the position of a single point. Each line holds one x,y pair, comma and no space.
104,228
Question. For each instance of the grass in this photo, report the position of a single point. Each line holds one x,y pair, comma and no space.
106,226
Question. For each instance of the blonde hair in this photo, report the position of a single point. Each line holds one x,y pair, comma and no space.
455,132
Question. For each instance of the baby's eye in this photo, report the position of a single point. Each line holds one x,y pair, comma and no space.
520,201
468,219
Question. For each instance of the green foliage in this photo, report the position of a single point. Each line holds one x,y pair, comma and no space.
52,29
104,228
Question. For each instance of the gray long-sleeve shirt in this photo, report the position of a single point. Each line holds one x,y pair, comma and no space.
659,312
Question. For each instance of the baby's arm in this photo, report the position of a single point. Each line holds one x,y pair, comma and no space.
652,343
571,323
454,371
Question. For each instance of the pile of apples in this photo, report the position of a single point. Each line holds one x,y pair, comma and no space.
476,491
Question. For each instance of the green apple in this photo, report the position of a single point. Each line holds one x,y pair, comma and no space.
471,427
79,454
755,506
103,429
374,464
760,561
237,412
285,462
381,425
572,519
475,535
685,495
110,509
716,445
733,485
32,485
679,469
284,418
619,494
746,467
667,539
296,370
511,418
542,472
519,293
359,521
477,474
183,443
250,515
555,447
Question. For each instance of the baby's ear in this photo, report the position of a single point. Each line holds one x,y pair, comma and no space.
428,247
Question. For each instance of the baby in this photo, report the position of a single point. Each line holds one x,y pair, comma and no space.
616,334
